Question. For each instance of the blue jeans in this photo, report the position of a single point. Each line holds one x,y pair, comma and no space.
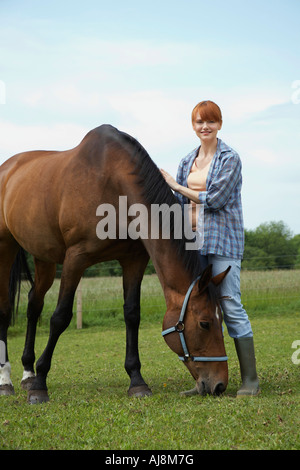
235,316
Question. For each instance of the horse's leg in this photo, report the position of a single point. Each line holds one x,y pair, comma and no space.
43,280
7,255
133,271
72,271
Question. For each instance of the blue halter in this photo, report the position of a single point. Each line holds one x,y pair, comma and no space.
179,328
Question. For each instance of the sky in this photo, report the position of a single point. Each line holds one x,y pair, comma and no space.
67,67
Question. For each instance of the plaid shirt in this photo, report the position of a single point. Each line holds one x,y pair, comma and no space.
223,217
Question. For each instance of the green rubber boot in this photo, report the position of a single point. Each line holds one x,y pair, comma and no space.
245,352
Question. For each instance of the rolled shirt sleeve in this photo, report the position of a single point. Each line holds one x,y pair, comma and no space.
223,184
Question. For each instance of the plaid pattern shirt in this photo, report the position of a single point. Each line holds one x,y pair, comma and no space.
223,216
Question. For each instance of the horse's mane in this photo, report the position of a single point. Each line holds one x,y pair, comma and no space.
155,190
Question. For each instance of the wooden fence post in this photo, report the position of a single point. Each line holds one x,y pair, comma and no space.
79,306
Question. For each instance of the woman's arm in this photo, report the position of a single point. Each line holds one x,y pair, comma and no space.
221,187
189,193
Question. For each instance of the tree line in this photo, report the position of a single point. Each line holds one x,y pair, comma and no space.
270,246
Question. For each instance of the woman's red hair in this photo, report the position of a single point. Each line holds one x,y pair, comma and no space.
208,110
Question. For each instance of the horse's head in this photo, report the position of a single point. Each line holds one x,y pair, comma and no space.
194,332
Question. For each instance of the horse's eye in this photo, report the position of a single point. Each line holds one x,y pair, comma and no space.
204,325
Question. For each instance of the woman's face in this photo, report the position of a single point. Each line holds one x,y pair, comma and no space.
206,130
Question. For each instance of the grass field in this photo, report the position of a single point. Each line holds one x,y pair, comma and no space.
89,407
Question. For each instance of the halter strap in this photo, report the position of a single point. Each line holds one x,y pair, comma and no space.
179,328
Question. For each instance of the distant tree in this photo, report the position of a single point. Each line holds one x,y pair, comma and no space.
255,258
270,245
296,242
296,245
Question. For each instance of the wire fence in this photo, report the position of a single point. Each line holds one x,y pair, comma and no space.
254,263
248,264
260,288
100,293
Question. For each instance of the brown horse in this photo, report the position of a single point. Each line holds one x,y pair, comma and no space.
49,207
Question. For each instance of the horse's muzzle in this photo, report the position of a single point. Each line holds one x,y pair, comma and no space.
203,387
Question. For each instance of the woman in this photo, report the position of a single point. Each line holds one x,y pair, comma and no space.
211,175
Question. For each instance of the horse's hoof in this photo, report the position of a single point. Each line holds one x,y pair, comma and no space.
139,391
190,393
35,397
26,384
7,390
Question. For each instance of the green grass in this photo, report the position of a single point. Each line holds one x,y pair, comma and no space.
89,407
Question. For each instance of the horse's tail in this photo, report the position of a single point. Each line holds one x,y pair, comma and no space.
19,271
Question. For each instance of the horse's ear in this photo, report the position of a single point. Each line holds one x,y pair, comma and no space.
205,278
216,280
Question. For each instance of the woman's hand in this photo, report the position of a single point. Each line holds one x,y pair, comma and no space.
190,194
170,180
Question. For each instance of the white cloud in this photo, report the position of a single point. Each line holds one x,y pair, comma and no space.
248,101
59,95
20,138
136,53
154,117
